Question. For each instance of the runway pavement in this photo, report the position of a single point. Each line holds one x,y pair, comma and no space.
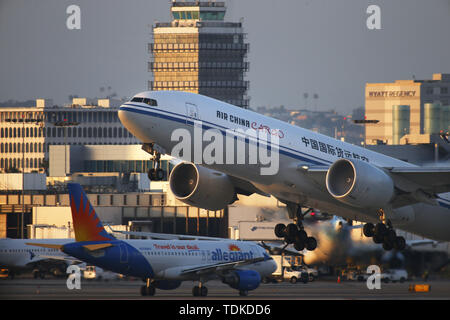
25,288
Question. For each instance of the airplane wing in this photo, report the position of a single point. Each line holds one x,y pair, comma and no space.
164,236
50,258
245,187
429,179
416,243
220,267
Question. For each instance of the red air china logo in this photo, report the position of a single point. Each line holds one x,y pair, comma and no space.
274,132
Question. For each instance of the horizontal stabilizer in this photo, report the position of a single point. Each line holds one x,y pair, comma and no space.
45,245
93,247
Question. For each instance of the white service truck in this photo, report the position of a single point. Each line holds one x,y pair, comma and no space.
287,272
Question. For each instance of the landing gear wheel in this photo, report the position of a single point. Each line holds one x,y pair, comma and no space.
387,245
243,293
199,291
148,291
291,230
299,246
293,280
390,236
280,230
378,239
369,230
159,174
380,229
152,174
399,243
156,174
311,243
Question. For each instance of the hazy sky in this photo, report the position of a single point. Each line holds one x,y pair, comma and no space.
296,46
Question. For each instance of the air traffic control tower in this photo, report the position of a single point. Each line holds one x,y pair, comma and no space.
201,53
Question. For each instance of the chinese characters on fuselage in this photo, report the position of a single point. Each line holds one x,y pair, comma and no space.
331,150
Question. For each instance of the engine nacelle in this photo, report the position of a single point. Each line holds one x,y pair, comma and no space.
201,187
359,184
243,279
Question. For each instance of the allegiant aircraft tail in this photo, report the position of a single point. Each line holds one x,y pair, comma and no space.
86,223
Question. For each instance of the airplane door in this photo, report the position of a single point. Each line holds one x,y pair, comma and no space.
191,112
123,253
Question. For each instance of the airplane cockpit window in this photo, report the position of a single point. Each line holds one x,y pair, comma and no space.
150,102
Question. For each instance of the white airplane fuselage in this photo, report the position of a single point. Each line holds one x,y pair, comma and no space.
297,147
16,254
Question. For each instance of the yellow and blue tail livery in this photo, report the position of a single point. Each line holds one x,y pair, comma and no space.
86,223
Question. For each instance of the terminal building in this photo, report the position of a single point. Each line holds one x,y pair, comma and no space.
201,53
27,133
85,142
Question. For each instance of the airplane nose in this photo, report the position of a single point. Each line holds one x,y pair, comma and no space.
125,116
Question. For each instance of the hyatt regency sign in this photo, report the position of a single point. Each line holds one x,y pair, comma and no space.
391,94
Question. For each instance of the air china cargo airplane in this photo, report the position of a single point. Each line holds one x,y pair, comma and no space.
164,264
314,170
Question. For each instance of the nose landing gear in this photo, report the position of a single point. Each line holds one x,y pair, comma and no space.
156,173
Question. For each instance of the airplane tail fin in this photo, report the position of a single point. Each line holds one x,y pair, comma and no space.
86,223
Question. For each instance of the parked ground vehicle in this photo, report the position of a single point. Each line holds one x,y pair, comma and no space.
312,273
92,272
394,275
287,272
4,273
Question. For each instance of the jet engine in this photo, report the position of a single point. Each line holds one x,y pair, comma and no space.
244,280
359,184
201,187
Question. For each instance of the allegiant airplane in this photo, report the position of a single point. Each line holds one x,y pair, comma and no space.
163,264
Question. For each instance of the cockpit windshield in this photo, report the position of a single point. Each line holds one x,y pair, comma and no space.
150,102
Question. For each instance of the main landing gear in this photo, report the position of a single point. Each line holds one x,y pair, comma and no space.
156,173
200,290
294,233
385,234
148,289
